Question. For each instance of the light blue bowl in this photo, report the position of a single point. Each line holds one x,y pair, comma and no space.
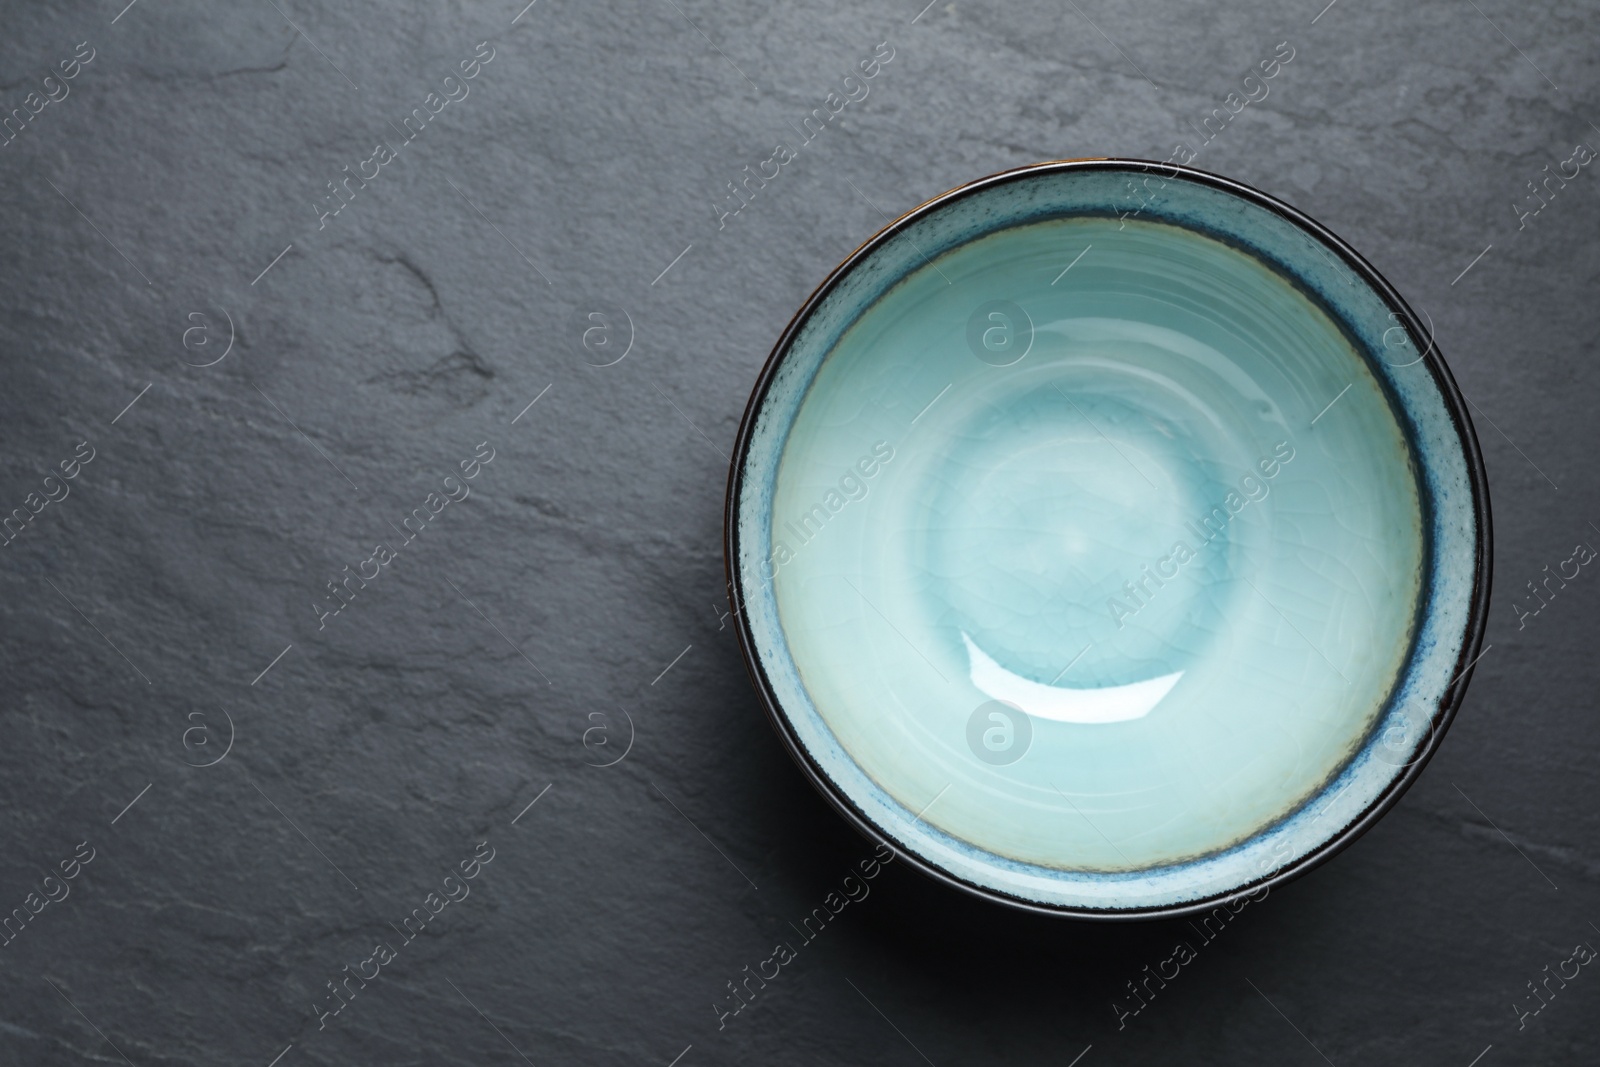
1109,537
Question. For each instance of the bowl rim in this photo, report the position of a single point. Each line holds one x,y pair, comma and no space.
1454,401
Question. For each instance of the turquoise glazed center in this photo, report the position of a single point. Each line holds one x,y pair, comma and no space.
1095,557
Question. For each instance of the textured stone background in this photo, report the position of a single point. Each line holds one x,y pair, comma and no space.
374,754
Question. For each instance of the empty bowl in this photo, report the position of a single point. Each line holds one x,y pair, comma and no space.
1109,538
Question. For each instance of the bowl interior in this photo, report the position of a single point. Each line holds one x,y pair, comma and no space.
1090,532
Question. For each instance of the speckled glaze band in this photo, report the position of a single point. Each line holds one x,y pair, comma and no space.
1454,509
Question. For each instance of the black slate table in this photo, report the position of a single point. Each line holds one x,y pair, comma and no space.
279,275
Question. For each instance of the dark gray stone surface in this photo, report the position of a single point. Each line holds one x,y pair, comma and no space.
377,752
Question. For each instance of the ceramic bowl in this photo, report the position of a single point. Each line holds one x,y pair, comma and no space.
1110,538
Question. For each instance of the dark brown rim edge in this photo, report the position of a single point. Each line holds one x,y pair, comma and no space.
1466,662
